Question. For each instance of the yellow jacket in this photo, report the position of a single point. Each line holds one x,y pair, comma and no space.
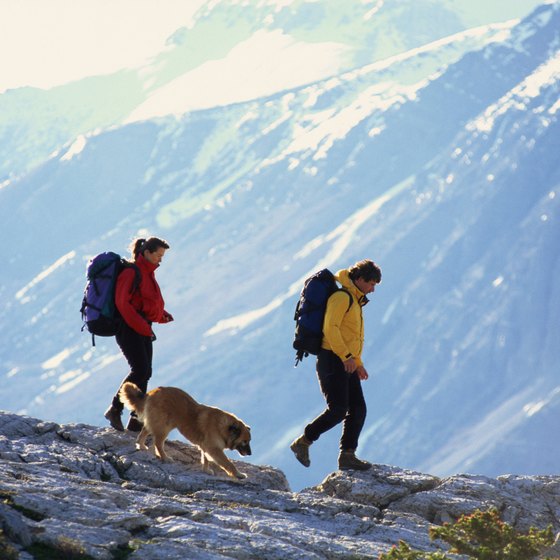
343,328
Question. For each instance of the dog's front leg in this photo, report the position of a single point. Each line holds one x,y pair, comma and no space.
207,466
219,457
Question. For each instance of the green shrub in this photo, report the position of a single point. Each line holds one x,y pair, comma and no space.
7,551
480,536
63,549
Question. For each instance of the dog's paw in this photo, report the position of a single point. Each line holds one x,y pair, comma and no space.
142,446
210,469
240,475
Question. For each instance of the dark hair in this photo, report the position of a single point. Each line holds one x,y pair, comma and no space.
365,269
152,244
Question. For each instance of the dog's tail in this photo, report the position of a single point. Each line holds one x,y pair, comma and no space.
133,398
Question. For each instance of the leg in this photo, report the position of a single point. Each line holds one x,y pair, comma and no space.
138,351
333,381
207,465
219,457
354,420
352,428
159,445
141,439
334,386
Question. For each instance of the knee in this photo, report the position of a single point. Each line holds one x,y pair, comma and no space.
338,412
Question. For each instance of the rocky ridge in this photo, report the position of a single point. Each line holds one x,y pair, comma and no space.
88,490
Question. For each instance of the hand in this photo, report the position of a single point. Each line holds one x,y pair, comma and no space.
350,365
167,317
362,373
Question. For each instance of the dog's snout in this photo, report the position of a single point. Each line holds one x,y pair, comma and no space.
244,449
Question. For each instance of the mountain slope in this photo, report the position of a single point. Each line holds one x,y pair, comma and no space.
231,52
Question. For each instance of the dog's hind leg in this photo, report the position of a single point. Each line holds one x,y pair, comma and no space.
219,457
141,439
204,462
159,444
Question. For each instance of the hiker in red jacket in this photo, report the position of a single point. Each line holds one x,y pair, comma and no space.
140,305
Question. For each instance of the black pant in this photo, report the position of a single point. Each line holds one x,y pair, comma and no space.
345,401
138,351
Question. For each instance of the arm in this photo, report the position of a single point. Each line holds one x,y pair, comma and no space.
123,301
337,306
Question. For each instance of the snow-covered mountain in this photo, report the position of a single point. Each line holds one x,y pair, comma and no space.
232,51
439,162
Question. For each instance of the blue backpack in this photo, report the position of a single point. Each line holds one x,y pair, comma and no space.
99,313
310,312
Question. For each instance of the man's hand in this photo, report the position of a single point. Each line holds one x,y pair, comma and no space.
362,373
350,365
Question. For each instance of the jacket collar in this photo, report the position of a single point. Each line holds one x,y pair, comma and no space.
343,277
145,264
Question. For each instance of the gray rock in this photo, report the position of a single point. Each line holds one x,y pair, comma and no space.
88,489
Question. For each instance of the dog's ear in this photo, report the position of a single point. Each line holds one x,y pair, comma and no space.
235,430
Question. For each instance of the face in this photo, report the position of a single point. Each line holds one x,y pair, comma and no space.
366,287
241,438
156,257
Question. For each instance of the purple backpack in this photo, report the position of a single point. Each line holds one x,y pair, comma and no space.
99,313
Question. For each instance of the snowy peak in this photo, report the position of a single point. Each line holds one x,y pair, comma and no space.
275,59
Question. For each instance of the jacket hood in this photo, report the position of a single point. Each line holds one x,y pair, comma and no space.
343,277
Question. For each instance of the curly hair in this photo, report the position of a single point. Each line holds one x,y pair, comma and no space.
365,269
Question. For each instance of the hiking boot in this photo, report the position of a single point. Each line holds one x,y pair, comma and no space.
134,425
300,447
114,416
347,461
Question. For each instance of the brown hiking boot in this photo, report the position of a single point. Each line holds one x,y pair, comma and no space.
300,447
347,461
114,416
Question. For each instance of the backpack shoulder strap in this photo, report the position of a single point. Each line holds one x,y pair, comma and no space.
351,299
137,277
137,274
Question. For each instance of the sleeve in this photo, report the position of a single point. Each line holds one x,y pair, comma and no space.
337,305
123,293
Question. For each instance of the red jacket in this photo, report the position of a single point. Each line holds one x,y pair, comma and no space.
143,306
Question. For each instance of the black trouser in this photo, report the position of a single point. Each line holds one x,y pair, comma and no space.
138,351
345,401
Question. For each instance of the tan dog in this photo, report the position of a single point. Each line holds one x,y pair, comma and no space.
212,430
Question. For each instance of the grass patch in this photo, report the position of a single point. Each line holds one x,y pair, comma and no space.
7,551
65,549
8,499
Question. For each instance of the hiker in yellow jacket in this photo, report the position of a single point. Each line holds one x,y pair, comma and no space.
340,369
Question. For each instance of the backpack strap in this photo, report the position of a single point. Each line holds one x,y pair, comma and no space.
350,298
137,274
